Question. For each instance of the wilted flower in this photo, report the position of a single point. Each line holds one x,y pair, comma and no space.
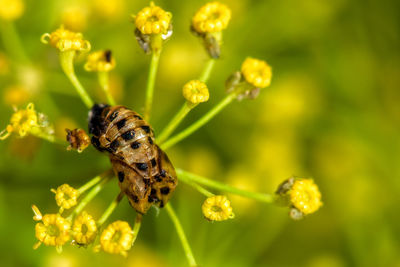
217,208
21,122
77,139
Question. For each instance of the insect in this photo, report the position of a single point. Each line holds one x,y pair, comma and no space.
146,175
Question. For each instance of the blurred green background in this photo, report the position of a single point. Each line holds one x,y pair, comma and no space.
331,113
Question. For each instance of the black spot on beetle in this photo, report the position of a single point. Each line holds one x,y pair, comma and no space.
113,115
121,176
165,190
114,145
135,198
153,162
158,178
161,204
150,140
146,128
121,123
128,135
135,145
142,166
163,173
153,191
138,117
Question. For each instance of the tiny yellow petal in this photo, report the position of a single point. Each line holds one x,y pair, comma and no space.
196,92
38,215
217,208
256,72
65,40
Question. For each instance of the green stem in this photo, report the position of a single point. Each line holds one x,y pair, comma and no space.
155,57
136,227
93,181
205,75
181,234
67,64
199,188
12,42
186,108
105,85
39,133
189,178
203,120
110,209
92,193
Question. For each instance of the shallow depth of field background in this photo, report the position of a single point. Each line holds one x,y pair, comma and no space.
331,113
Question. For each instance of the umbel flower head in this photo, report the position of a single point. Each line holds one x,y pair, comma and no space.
212,17
117,238
84,229
101,61
53,230
11,9
66,196
65,40
195,92
302,195
153,20
21,122
217,208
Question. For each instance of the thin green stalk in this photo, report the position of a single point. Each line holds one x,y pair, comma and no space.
189,178
67,64
181,234
186,108
205,75
155,58
92,193
93,181
12,42
39,133
103,77
110,209
136,226
203,120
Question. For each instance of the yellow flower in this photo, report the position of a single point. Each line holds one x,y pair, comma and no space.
11,9
66,40
153,20
101,61
52,231
84,229
117,238
196,92
212,17
66,196
305,196
257,72
21,122
217,208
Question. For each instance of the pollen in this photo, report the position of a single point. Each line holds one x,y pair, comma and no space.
101,61
153,20
11,9
52,231
66,196
21,122
305,196
65,40
196,92
256,72
117,238
84,229
212,17
217,208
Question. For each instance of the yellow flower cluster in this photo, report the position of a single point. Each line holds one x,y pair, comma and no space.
66,196
11,9
217,208
305,196
212,17
53,230
153,20
21,122
65,40
256,72
101,61
195,92
84,230
117,238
